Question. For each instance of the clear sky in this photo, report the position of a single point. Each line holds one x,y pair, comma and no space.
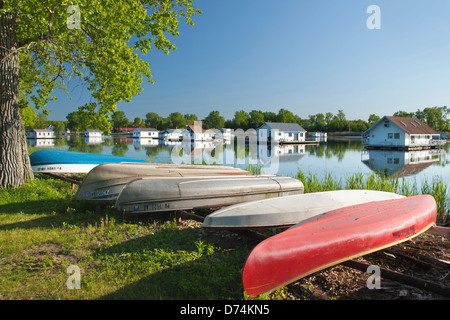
302,55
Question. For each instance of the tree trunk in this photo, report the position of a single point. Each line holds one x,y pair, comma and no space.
15,168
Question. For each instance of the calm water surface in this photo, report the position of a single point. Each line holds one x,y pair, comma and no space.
340,158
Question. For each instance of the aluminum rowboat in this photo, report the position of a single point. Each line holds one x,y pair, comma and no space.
106,181
168,194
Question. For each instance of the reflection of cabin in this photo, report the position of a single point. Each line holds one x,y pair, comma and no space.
41,142
93,133
171,135
224,134
145,142
319,136
287,152
145,133
40,134
93,140
401,132
398,163
281,132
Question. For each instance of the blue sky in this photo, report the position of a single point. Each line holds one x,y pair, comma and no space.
302,55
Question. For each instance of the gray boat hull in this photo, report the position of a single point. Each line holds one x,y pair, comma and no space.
155,195
106,181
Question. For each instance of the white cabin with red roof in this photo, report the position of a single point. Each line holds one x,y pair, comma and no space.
401,132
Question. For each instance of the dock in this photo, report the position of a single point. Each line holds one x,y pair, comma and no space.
403,148
299,142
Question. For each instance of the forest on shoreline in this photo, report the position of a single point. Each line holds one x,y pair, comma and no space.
78,121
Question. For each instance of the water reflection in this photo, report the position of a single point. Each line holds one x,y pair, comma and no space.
39,143
396,163
341,158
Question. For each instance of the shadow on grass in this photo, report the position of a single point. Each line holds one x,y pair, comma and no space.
53,213
173,262
175,267
202,279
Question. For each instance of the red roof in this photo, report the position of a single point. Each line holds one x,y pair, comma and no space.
412,125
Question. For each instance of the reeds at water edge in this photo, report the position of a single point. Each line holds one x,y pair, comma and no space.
435,187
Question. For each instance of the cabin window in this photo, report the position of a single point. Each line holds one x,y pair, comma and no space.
397,136
290,135
390,135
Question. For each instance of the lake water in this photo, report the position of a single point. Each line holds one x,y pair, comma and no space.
340,158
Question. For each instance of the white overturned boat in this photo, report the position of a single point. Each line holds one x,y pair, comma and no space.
290,210
169,194
106,181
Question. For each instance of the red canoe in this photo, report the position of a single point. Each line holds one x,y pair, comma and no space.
334,237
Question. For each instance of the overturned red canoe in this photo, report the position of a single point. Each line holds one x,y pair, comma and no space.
333,237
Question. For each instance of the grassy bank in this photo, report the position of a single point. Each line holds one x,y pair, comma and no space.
43,232
436,187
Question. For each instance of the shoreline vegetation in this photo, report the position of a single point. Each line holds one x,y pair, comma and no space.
78,121
43,232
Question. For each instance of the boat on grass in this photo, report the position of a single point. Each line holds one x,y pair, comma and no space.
169,194
290,210
106,181
61,161
334,237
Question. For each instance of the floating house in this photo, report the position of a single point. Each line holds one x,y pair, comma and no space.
402,133
125,130
40,134
196,133
93,133
171,135
145,133
281,133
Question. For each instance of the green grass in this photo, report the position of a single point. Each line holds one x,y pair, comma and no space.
43,232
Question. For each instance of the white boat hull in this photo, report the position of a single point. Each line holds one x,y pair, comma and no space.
290,210
63,168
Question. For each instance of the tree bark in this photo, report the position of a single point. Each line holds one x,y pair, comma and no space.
15,168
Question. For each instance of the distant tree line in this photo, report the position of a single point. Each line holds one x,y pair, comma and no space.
434,117
86,118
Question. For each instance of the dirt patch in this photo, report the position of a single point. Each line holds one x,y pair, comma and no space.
39,257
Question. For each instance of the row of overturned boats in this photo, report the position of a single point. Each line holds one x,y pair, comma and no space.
319,229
